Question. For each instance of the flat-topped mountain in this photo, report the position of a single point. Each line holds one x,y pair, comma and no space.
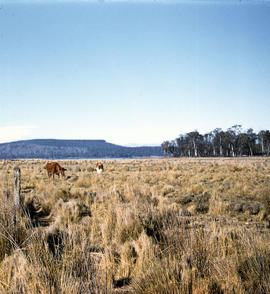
60,149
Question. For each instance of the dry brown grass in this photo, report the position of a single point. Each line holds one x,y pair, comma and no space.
143,226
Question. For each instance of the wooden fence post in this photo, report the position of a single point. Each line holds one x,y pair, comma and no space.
17,192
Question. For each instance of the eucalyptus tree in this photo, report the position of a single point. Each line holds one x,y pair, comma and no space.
232,137
165,148
267,143
182,145
229,143
219,141
247,143
208,148
264,139
252,137
194,143
173,150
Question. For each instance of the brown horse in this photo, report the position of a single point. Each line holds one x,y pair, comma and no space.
54,168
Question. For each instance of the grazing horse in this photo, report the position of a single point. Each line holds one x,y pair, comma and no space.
54,168
99,167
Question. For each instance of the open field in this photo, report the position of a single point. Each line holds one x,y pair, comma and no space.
143,226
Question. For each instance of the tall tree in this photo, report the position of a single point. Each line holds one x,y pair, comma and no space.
194,139
219,141
207,144
165,148
264,139
252,137
232,136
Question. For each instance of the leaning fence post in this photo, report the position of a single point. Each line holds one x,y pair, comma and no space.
17,191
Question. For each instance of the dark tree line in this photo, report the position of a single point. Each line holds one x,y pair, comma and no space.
230,143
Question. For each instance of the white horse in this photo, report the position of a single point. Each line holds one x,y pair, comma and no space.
99,167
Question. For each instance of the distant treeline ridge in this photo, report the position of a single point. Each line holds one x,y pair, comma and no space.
230,143
68,149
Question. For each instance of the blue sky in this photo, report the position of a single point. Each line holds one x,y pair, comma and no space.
132,72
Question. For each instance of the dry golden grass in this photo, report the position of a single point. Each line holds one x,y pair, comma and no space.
142,226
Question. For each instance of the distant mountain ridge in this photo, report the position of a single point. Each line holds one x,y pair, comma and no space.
65,149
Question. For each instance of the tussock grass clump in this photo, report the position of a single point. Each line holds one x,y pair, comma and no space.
265,199
142,226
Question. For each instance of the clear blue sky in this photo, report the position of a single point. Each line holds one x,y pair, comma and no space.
132,73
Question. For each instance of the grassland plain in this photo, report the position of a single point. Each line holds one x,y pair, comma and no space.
143,226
